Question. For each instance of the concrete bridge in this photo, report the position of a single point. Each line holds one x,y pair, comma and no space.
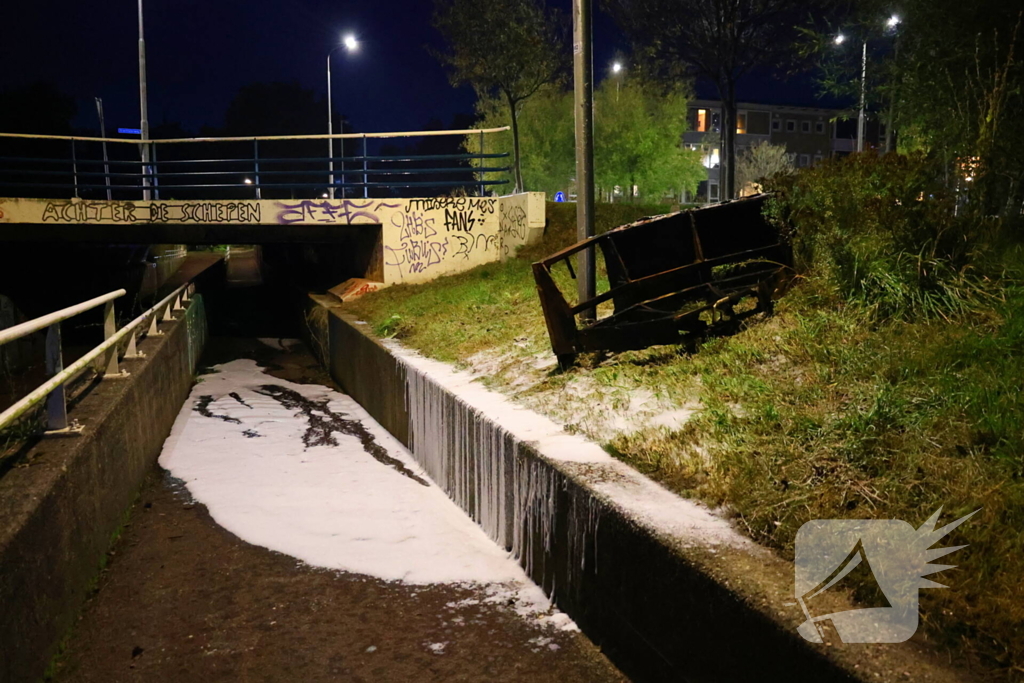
406,240
221,197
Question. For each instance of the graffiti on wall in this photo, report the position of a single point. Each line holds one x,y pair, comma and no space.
344,211
418,246
512,226
484,205
427,239
466,245
80,211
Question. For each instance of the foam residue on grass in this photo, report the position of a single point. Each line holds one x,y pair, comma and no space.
439,397
820,411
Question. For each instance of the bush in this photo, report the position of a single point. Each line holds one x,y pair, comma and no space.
884,231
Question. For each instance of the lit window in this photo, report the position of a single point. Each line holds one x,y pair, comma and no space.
702,120
741,123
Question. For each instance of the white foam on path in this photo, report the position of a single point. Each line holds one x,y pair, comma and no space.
330,506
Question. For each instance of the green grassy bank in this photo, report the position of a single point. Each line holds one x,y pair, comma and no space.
824,410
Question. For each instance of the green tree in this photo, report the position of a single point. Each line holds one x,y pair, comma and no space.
504,48
546,137
638,133
721,40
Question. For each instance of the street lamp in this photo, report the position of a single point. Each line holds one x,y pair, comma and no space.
839,40
891,23
143,111
616,70
350,44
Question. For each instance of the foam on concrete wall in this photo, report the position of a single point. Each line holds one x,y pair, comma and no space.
657,614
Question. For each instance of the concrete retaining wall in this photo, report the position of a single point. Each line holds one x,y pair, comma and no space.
667,590
59,511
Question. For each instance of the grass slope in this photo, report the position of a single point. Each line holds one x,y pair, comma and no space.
817,412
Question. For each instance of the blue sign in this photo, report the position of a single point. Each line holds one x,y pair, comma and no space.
559,196
130,131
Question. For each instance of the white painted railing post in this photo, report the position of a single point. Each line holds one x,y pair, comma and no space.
56,404
132,351
109,330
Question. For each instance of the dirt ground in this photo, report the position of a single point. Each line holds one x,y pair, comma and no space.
182,599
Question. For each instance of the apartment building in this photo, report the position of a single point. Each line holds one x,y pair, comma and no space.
808,133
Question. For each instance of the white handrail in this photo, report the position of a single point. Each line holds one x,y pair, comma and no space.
69,373
41,323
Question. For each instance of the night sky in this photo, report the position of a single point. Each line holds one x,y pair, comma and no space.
200,52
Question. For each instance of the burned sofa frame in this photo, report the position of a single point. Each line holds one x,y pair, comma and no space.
671,278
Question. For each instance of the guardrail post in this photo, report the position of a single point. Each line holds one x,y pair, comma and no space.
481,163
74,166
132,351
154,172
154,331
109,330
56,403
366,188
256,165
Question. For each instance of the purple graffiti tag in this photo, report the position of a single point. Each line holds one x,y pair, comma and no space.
331,211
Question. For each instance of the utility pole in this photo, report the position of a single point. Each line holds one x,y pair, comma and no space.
144,110
583,100
103,134
863,86
330,132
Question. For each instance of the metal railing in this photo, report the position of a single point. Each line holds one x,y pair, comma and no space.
287,164
53,390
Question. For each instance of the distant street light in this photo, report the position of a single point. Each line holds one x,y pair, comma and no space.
248,181
891,23
349,43
616,70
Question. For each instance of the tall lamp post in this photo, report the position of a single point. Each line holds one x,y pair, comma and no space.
143,110
891,23
350,44
616,70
